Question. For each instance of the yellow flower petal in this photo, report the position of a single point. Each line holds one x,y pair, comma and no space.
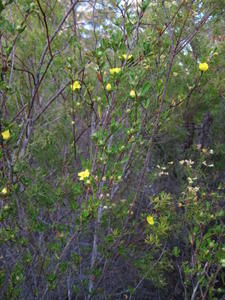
150,220
84,174
204,150
132,93
75,85
114,71
203,67
6,135
108,87
4,191
128,58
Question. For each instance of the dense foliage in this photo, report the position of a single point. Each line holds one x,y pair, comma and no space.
112,149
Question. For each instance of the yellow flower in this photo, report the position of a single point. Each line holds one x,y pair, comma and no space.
203,67
128,58
6,135
75,85
114,71
204,150
150,220
84,174
132,93
4,191
108,87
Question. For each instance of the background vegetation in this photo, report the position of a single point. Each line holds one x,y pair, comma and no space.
112,149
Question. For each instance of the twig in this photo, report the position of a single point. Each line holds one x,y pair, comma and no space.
46,27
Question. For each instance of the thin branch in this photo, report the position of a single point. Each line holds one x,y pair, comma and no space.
51,100
46,27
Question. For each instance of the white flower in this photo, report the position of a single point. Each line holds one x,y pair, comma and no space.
222,261
211,151
193,189
190,180
189,162
211,165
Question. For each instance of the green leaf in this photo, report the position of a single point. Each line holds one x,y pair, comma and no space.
145,5
1,6
145,88
176,251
